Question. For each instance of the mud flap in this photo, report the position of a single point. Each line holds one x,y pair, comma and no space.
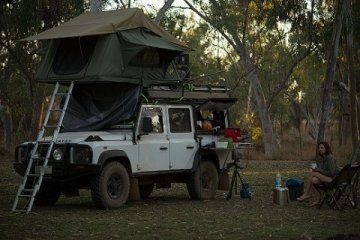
224,181
134,193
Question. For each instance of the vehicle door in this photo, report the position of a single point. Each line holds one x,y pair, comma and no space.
153,144
181,137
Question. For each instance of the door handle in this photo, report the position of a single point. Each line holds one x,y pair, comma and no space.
163,148
189,147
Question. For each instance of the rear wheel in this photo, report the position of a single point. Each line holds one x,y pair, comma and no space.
110,189
203,183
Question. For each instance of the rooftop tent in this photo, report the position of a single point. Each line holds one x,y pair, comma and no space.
121,46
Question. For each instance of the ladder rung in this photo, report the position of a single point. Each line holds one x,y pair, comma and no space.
56,110
51,126
25,195
33,175
27,190
61,94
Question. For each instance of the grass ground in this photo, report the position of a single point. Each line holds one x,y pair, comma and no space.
170,214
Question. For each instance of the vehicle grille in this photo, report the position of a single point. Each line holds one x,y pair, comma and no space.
42,149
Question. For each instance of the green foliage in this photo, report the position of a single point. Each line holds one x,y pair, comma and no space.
19,59
280,36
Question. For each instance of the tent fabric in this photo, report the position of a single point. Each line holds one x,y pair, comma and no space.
141,36
135,56
127,47
97,106
105,22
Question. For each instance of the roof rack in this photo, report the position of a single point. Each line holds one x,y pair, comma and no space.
191,93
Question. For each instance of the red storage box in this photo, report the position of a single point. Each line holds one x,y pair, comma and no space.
233,133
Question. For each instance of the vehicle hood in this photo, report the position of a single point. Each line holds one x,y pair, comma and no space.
77,137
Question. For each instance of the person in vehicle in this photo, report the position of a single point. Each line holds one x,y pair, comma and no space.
324,172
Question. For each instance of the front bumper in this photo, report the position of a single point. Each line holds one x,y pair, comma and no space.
62,173
66,169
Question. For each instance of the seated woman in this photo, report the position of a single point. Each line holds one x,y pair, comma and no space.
324,172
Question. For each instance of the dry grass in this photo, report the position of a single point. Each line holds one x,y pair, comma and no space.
170,214
296,148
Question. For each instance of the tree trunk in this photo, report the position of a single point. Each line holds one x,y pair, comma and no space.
330,71
248,105
351,69
163,10
266,126
6,120
341,129
246,63
36,120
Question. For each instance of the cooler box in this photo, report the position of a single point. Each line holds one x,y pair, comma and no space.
233,133
296,187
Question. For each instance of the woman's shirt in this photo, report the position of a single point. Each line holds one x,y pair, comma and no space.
328,166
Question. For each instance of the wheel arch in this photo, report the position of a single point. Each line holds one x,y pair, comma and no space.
208,155
115,156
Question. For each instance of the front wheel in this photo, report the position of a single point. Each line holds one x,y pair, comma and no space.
110,189
203,183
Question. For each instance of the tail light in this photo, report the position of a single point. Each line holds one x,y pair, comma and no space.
233,133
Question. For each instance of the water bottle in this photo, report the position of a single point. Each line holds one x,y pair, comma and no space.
278,180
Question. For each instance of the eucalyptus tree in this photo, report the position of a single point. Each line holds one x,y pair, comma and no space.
20,98
252,29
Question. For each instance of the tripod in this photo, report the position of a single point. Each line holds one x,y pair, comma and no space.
235,177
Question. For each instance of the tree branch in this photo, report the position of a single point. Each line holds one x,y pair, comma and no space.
286,79
163,10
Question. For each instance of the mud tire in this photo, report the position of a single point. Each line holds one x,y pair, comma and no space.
110,189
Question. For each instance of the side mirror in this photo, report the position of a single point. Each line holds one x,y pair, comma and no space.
147,125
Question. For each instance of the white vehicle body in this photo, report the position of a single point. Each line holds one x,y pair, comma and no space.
169,149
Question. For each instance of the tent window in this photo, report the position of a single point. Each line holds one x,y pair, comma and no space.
149,57
73,54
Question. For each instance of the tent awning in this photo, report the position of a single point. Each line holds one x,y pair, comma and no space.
105,22
138,36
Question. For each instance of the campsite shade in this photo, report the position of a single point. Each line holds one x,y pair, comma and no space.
122,46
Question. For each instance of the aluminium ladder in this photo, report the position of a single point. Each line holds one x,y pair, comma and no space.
37,164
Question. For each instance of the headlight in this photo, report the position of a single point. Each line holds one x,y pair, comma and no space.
57,154
80,155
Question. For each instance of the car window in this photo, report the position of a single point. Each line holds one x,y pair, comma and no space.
179,120
156,115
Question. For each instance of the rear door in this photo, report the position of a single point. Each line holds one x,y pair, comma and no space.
181,137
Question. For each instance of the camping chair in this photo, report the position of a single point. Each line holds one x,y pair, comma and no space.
342,189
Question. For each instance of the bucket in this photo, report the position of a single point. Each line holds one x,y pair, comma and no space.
281,196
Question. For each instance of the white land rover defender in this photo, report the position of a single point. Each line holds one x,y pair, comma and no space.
163,144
